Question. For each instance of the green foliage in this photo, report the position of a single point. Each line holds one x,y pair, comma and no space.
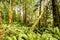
19,32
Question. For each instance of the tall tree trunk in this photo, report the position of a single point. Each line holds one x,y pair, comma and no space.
1,14
1,29
55,12
10,20
24,11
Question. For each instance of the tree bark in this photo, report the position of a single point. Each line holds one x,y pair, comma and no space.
10,15
55,12
24,11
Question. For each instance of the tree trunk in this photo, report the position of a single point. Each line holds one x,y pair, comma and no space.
1,29
10,20
55,12
24,11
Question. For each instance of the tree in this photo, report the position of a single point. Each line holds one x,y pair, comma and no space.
25,11
12,4
56,12
42,12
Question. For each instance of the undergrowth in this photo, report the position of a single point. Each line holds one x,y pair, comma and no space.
19,32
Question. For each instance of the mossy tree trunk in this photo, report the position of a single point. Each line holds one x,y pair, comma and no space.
10,15
42,12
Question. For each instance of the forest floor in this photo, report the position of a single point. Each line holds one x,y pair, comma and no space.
20,32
